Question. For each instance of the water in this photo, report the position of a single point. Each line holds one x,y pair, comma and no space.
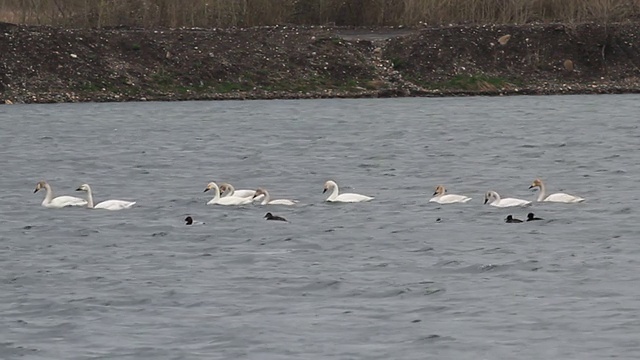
378,280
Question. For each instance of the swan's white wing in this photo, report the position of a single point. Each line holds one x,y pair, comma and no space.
114,205
450,199
65,200
232,200
351,198
509,202
563,198
244,193
282,202
248,194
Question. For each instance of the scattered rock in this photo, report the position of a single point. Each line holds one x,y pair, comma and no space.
8,102
568,65
503,40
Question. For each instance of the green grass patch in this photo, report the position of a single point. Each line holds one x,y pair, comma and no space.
162,79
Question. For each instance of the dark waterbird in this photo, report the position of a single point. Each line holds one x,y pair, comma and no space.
270,216
531,217
189,221
511,219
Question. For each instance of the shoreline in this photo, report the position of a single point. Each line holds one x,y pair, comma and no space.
74,98
41,64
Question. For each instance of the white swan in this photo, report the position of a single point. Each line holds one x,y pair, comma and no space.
345,197
227,189
107,204
557,197
227,200
59,202
440,197
267,198
494,199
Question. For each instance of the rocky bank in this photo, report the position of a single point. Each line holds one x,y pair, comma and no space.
41,64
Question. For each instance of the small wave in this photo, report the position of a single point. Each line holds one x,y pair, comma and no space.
424,249
317,285
87,232
415,290
434,338
623,211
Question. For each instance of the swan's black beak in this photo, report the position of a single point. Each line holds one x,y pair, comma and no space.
205,190
78,189
324,191
435,193
531,187
485,200
35,191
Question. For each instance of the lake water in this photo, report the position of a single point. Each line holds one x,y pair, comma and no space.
378,280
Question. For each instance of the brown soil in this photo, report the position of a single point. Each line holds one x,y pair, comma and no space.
44,64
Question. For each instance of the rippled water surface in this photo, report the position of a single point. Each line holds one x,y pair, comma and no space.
378,280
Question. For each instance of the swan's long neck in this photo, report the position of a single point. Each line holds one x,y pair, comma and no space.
216,192
496,197
543,192
334,192
49,196
231,190
266,198
89,198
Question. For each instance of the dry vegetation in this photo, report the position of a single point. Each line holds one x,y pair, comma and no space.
245,13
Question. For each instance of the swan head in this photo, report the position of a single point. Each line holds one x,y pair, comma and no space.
210,186
40,185
490,196
440,190
83,187
330,184
260,191
224,187
189,220
536,183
